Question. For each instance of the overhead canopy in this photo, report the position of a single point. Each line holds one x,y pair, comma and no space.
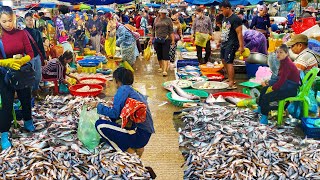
105,9
153,5
204,2
97,2
244,2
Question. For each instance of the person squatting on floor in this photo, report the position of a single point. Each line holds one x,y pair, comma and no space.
131,137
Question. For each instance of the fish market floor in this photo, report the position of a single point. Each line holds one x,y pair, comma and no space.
162,152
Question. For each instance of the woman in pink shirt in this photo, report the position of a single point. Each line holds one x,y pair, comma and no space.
14,42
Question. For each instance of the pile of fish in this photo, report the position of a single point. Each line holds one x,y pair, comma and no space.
228,143
54,151
180,95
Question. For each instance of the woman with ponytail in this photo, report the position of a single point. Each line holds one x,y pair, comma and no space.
56,68
13,42
131,138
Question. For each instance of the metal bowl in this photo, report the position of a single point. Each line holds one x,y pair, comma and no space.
217,86
257,58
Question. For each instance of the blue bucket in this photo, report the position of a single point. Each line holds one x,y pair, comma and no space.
252,69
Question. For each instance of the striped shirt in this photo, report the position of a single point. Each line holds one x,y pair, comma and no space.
55,68
306,60
202,25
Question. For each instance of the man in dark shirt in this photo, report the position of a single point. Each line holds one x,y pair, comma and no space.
262,21
231,40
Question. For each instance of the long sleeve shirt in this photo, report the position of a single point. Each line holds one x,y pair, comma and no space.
124,92
37,36
55,68
287,71
16,42
202,25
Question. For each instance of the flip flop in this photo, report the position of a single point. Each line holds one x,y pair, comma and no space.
227,80
232,87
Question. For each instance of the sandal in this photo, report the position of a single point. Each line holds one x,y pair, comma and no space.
227,80
164,74
232,87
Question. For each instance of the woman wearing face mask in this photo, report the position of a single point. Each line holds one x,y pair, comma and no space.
110,43
38,49
177,30
14,42
262,21
163,37
286,86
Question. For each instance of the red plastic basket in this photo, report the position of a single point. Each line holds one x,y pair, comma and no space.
73,90
215,77
231,94
303,24
140,31
94,78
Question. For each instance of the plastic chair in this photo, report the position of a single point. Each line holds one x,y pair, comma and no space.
302,96
56,85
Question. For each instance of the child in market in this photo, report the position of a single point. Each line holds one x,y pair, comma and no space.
285,86
63,37
57,68
131,139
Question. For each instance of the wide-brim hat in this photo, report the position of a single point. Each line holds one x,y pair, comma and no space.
299,38
311,9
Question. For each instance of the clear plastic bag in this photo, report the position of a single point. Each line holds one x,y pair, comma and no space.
201,39
87,132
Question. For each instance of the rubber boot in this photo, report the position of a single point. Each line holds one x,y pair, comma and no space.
264,120
258,110
28,125
5,143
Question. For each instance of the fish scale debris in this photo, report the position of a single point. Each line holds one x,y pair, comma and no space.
54,151
237,147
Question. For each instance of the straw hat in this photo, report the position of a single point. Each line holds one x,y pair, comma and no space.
164,10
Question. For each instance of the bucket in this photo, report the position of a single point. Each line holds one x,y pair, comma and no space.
252,69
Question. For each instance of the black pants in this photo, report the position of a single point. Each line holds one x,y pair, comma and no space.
208,53
7,98
277,95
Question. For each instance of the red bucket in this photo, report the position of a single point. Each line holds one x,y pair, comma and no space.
303,24
73,90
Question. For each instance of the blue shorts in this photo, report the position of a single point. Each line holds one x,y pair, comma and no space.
228,53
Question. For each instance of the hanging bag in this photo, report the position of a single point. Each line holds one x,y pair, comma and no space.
36,46
19,79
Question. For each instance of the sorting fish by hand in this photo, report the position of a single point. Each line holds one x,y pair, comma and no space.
53,151
228,143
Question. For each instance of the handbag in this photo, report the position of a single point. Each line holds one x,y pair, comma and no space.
36,46
176,37
19,79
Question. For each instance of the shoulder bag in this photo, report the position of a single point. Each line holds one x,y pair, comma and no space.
18,79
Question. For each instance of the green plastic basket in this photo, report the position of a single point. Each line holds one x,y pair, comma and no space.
200,93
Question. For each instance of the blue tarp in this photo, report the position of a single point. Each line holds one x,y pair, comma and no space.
47,5
153,5
204,2
105,9
97,2
244,2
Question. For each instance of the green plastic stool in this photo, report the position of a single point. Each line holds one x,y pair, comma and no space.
302,95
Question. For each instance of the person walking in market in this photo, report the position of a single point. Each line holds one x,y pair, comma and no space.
110,43
14,42
202,27
177,30
95,29
163,37
231,40
261,22
306,59
36,42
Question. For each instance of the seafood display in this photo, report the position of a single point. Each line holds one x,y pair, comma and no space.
179,83
53,151
228,143
91,81
87,89
210,85
181,95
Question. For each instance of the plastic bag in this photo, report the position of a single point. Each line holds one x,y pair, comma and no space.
294,109
147,53
110,46
201,39
87,132
63,88
127,53
126,65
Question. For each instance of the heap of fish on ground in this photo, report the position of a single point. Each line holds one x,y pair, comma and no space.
228,143
54,151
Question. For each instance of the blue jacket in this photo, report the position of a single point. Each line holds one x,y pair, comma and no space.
124,92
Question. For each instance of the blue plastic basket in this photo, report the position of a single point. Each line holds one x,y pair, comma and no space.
309,129
190,62
251,69
89,63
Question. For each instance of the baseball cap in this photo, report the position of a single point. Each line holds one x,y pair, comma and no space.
299,38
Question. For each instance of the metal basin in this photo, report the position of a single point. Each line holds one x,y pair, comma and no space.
215,86
257,58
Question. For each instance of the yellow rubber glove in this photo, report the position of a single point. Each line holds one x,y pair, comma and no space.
269,90
10,64
23,60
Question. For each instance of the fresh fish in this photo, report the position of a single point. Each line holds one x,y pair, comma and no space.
232,100
175,96
210,99
220,99
182,93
